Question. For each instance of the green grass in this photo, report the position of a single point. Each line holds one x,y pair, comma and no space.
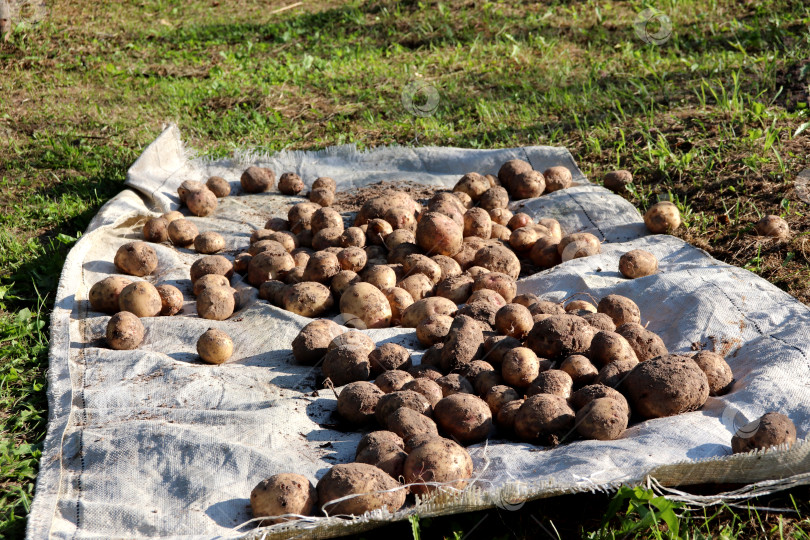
711,119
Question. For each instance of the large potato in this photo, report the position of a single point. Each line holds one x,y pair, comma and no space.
437,462
377,207
426,307
310,345
282,494
560,336
603,419
308,299
620,308
269,265
544,419
344,365
496,281
645,343
257,179
498,258
465,417
216,303
374,489
437,234
364,306
666,385
662,218
463,343
141,299
136,258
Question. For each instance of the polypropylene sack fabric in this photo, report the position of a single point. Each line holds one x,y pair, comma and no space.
152,443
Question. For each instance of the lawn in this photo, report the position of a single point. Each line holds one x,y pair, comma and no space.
708,108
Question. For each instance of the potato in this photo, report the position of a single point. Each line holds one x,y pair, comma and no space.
662,217
272,291
266,244
580,369
645,344
216,303
321,267
364,306
455,383
388,457
582,241
353,237
269,265
257,179
389,356
473,184
424,308
202,202
310,345
322,196
520,220
600,321
241,263
156,230
496,347
324,182
304,238
464,417
377,207
397,237
498,396
480,311
607,347
521,366
326,218
408,423
477,223
425,372
376,255
457,289
447,204
215,346
342,281
357,402
352,258
475,368
136,258
527,185
419,286
391,381
773,226
374,489
104,294
586,394
344,365
505,419
544,419
288,240
545,253
433,330
469,248
617,181
401,398
546,306
307,298
432,356
421,264
380,438
401,218
499,232
437,234
300,215
557,178
559,336
500,216
603,419
352,339
502,284
615,373
125,331
475,271
523,239
510,170
218,186
380,275
465,199
188,187
282,494
447,266
290,183
498,258
620,308
435,464
665,386
769,430
494,197
577,306
376,231
464,340
209,242
552,381
717,371
638,263
427,387
513,320
140,298
398,300
171,216
182,232
211,264
171,299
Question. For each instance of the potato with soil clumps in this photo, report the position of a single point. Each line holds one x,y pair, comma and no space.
580,369
557,178
771,429
401,219
290,184
477,223
282,494
662,217
600,321
505,419
436,464
603,419
426,307
342,281
327,238
772,226
171,299
502,284
494,197
156,230
354,339
617,181
321,267
586,394
638,263
464,340
421,264
437,234
454,383
353,237
464,417
545,253
498,258
344,365
371,485
308,299
215,346
510,170
379,438
391,381
427,387
717,371
140,298
136,258
433,330
216,303
202,203
408,423
527,185
257,179
473,184
457,289
498,396
324,182
544,419
387,456
377,207
358,401
310,345
211,264
209,242
559,336
104,294
514,320
380,275
364,306
300,216
188,187
666,386
645,343
125,331
607,347
552,381
388,356
398,399
269,265
620,308
352,258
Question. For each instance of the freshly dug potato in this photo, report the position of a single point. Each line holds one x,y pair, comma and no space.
386,456
321,267
216,303
401,219
498,396
498,258
603,419
408,423
372,485
666,385
419,286
391,381
638,263
552,226
242,261
617,181
501,283
182,232
399,300
273,292
140,298
600,321
379,438
523,239
423,371
477,223
188,187
211,264
269,265
559,336
586,394
171,299
481,312
352,339
401,398
421,264
527,185
773,226
257,179
496,347
357,402
546,306
475,271
424,308
282,494
326,218
427,387
277,224
645,343
437,234
399,236
447,204
352,258
376,231
473,184
218,186
364,306
501,216
296,275
322,196
615,373
287,239
557,178
125,331
607,347
389,356
300,215
215,346
582,239
308,299
579,249
202,203
457,289
544,419
353,237
499,232
576,306
448,266
209,242
380,275
545,253
378,206
433,330
580,369
519,221
487,296
344,365
510,170
552,381
376,255
171,216
662,217
310,345
136,258
464,417
494,197
620,308
104,294
324,182
514,320
505,419
266,244
342,281
156,230
432,357
717,371
436,463
469,247
454,383
771,429
465,199
290,183
464,340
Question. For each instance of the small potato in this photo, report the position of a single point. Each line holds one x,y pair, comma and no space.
645,344
290,183
277,224
527,185
209,242
283,494
586,394
171,216
419,286
182,232
273,292
401,218
513,320
465,417
399,236
257,179
202,203
475,369
322,196
769,430
772,226
455,383
389,356
104,294
501,283
717,371
433,330
425,372
267,245
457,289
494,197
379,275
552,381
477,223
583,240
353,237
401,398
344,365
603,419
520,220
215,346
352,258
287,239
426,307
665,386
557,178
499,232
310,345
438,234
399,300
211,264
188,187
408,423
437,462
617,181
496,347
125,331
342,281
427,387
608,347
580,369
498,396
324,182
560,336
374,489
136,258
521,366
218,186
241,263
576,306
357,402
544,419
473,184
501,216
391,381
308,299
421,264
498,258
216,303
269,265
662,217
171,299
638,263
140,298
620,308
156,230
299,216
364,306
475,271
545,253
505,419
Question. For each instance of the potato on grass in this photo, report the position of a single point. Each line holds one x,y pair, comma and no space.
638,263
391,381
182,232
662,217
552,381
773,226
617,181
666,385
357,402
544,419
216,303
603,419
401,398
156,230
580,369
374,489
645,343
559,336
427,307
202,203
140,298
464,417
514,320
125,331
771,429
438,234
104,294
344,365
437,464
257,179
308,299
215,346
136,258
364,306
717,371
212,264
282,494
557,178
171,299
